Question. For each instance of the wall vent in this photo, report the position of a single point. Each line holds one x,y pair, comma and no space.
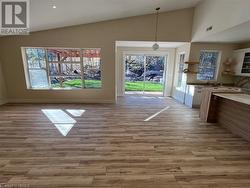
209,28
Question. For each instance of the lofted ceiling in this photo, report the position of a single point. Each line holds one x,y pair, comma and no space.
148,44
239,33
73,12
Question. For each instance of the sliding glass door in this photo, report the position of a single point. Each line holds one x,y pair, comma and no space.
134,73
154,74
145,74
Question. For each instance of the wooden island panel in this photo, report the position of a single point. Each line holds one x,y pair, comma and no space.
234,116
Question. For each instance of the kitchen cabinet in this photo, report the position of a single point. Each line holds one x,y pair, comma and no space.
242,60
232,112
193,95
207,108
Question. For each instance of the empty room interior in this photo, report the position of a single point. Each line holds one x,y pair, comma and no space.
125,93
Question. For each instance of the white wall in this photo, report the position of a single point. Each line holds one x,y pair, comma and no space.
226,50
174,26
221,14
2,88
170,52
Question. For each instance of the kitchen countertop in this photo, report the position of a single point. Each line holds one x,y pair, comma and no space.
238,97
210,84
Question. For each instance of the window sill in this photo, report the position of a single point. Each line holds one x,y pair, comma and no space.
62,89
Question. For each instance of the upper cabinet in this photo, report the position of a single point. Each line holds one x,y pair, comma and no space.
242,59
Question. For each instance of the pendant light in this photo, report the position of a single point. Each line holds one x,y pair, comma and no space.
156,45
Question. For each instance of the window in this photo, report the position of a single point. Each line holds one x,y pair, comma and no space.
181,80
208,65
65,68
37,68
92,67
53,68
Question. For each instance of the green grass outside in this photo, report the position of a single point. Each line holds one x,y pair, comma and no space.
129,86
77,83
139,85
93,83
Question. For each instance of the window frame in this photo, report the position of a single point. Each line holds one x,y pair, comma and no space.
81,63
217,65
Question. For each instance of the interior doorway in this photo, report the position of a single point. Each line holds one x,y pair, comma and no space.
145,74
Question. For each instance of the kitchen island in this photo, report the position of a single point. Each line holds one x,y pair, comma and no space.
237,97
232,111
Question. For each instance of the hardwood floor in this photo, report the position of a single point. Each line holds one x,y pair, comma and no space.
112,146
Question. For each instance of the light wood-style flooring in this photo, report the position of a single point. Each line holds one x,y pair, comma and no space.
111,146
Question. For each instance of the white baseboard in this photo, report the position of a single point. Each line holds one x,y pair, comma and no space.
65,101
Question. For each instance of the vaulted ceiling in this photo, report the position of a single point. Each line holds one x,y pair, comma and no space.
73,12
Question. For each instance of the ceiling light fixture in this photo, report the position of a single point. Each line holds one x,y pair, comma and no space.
156,45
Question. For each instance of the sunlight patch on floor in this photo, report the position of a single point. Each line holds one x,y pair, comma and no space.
75,112
62,120
64,128
157,113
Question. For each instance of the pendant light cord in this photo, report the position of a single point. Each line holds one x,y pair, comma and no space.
156,24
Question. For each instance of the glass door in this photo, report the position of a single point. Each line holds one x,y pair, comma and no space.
134,73
154,74
145,74
181,78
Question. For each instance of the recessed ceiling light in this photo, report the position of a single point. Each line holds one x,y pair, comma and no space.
54,6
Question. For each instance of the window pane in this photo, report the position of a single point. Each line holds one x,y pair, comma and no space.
134,72
92,68
35,57
208,65
66,82
65,69
59,55
54,69
70,69
55,82
53,55
182,77
72,82
154,72
38,78
64,55
75,55
180,71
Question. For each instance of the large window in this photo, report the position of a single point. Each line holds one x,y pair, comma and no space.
208,67
65,68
